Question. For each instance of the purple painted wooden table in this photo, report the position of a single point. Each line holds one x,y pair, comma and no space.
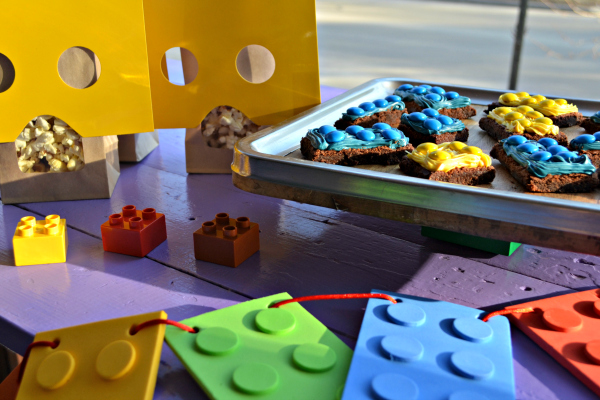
304,250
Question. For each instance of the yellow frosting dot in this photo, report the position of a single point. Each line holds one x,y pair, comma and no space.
544,120
525,123
440,155
547,103
524,109
508,98
425,148
502,110
471,150
528,100
456,145
522,94
539,97
560,102
513,116
534,114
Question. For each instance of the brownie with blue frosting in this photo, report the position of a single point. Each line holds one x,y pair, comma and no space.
588,145
420,97
379,144
431,126
369,113
545,166
591,124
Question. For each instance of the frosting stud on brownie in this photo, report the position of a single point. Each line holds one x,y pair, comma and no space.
545,166
562,113
430,126
451,104
453,162
591,124
367,114
588,145
503,122
380,144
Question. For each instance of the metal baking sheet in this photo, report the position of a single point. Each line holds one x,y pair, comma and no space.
270,163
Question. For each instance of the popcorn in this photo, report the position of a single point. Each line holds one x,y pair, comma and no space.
224,125
48,144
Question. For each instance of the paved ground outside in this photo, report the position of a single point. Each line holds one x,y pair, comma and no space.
457,42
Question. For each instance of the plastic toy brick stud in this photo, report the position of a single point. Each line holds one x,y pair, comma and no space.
252,351
133,232
226,241
426,349
40,242
96,361
567,327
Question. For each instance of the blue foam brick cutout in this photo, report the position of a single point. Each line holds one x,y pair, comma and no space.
430,350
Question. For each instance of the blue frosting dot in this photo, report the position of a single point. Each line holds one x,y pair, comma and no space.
597,114
354,129
527,148
430,112
516,140
597,136
393,98
381,125
432,124
556,149
433,96
425,86
417,117
451,95
584,139
355,111
547,142
366,134
418,90
367,106
445,120
335,136
438,90
567,155
541,156
390,134
380,103
406,86
325,129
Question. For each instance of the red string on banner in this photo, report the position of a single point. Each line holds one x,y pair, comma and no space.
336,297
509,311
160,321
41,343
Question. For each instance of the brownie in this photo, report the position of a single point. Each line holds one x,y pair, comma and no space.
390,117
590,126
571,183
462,176
458,113
593,155
499,132
379,155
416,138
562,121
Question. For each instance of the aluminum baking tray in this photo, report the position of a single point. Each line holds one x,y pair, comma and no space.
270,163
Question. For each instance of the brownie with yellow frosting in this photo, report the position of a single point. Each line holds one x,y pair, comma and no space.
560,111
452,162
592,124
503,122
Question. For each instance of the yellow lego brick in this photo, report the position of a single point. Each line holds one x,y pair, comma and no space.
96,361
118,103
40,242
215,32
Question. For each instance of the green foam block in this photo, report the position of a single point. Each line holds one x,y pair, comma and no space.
476,242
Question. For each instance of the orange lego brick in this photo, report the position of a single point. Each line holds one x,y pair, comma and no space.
226,241
133,232
567,327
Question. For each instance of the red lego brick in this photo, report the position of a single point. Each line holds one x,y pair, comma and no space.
226,241
133,232
567,327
